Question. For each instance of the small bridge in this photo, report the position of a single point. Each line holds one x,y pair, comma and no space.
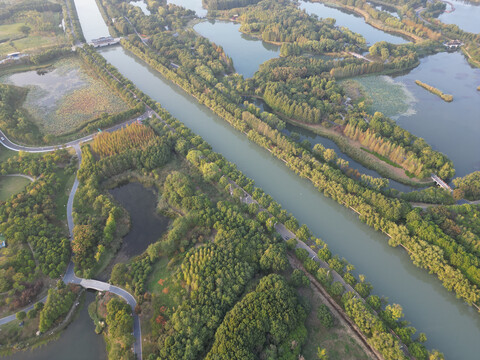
441,183
104,41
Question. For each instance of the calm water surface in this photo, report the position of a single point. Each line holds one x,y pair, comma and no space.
466,16
246,51
77,342
353,22
451,326
452,128
146,225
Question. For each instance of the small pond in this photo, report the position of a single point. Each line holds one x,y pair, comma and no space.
246,51
195,5
146,226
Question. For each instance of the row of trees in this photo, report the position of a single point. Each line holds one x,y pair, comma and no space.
29,219
59,302
468,187
377,210
382,136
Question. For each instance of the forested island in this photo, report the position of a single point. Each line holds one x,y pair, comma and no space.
233,275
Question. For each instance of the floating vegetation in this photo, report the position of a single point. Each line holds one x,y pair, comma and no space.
62,99
385,95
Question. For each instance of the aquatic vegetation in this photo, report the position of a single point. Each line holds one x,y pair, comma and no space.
65,97
385,95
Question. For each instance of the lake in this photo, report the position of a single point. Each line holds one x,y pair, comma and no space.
466,16
451,128
247,52
354,22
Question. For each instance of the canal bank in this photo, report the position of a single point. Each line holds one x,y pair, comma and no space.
451,326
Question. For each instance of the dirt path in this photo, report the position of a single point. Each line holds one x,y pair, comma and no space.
350,328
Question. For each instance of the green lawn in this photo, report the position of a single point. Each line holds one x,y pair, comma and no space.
161,282
61,199
11,185
6,154
13,40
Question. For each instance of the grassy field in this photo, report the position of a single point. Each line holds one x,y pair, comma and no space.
12,39
11,185
65,96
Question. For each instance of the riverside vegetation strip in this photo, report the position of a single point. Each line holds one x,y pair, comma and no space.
379,211
209,167
433,90
128,158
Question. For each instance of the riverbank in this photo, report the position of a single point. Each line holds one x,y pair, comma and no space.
354,150
369,20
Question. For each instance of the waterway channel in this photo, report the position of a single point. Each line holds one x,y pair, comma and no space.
451,326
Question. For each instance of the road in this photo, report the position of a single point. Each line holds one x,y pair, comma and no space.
70,276
5,141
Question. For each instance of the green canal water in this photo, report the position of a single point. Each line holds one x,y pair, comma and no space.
451,326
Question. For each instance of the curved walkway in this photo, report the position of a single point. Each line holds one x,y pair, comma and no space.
70,276
21,175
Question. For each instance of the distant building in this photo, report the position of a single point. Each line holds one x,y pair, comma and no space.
2,242
14,55
453,44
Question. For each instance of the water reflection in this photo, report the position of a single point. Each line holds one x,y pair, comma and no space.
246,51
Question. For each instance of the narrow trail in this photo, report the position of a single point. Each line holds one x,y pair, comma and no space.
70,277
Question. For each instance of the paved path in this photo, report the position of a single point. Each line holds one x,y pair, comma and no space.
21,175
70,276
71,144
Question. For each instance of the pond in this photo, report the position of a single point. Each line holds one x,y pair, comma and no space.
66,95
142,5
247,52
354,22
146,226
77,342
466,16
195,5
452,128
